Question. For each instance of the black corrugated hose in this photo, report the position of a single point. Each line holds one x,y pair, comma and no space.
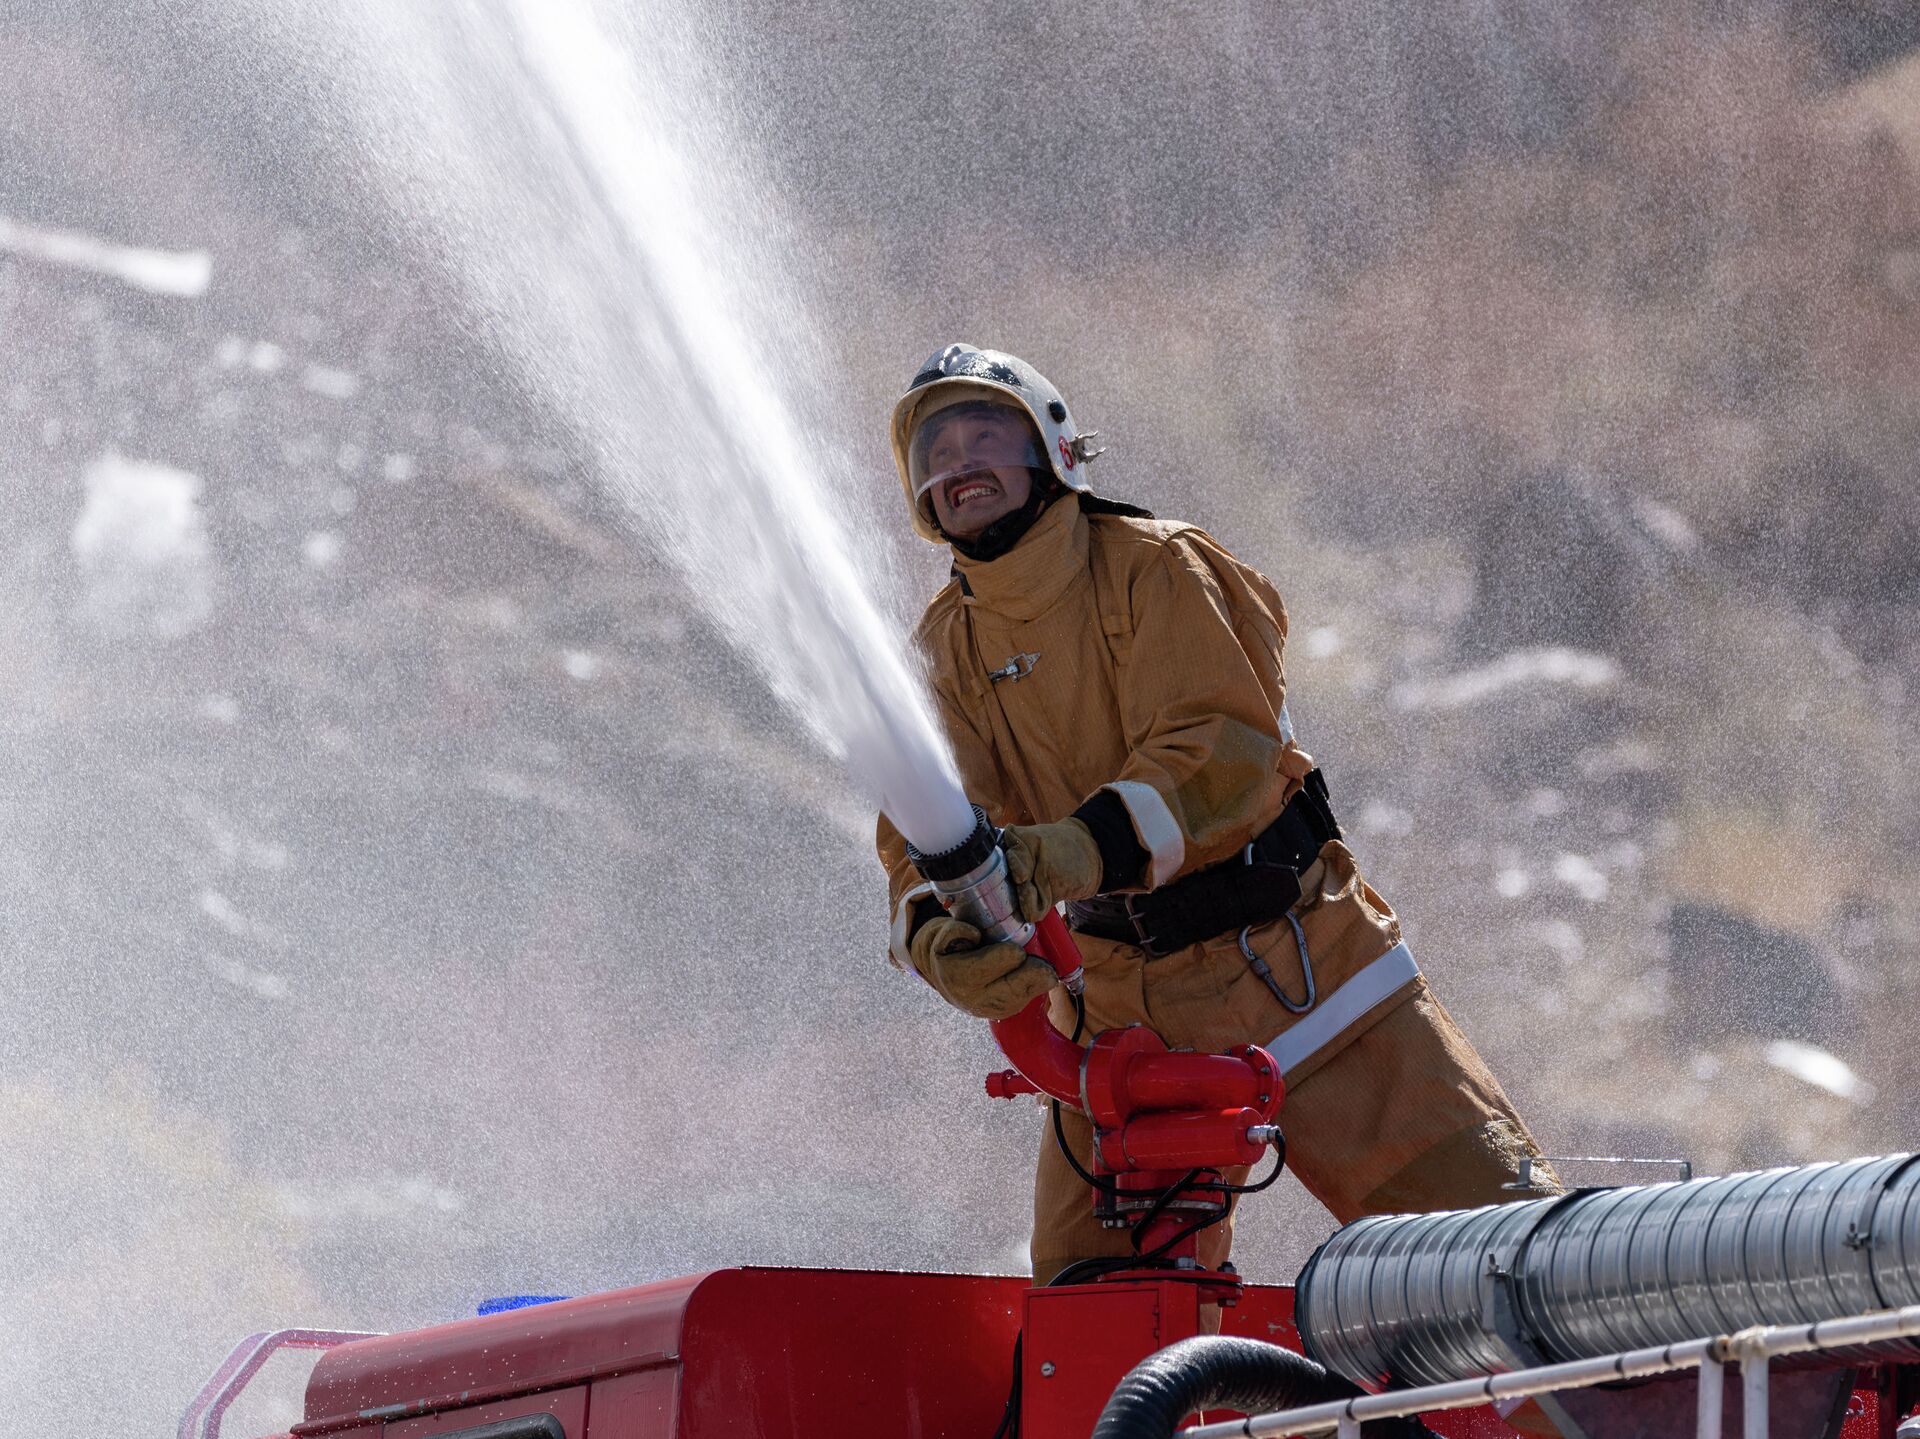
1221,1372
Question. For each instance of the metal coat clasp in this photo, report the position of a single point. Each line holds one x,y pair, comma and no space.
1018,667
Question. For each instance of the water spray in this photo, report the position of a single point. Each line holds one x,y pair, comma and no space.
559,165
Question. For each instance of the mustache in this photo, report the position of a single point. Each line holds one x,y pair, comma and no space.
980,473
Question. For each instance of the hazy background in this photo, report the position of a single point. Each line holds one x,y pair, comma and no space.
406,898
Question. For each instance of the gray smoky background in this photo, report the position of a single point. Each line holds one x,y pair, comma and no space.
406,897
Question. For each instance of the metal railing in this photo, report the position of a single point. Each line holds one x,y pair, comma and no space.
1752,1349
236,1371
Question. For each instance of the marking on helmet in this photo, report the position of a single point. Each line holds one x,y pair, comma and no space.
1066,452
975,365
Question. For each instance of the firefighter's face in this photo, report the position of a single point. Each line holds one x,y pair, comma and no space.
979,463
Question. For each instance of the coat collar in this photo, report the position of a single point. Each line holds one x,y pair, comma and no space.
1024,582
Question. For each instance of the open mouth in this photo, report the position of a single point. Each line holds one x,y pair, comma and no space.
963,490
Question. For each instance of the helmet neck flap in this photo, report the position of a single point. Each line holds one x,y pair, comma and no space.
1007,531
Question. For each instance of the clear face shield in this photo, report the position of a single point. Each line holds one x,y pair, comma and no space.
976,436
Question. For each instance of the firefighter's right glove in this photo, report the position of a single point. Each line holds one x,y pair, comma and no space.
990,981
1048,863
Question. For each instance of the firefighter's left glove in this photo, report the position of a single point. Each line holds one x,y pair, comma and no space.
990,981
1051,863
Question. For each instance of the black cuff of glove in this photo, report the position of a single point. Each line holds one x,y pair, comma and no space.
924,908
1123,859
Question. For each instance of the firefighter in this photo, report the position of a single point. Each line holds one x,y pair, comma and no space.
1112,687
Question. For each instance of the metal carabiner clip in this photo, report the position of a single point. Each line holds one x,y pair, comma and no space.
1259,966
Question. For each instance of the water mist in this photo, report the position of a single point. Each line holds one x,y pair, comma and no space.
544,162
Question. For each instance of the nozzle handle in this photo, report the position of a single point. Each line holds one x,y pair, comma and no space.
1052,944
971,881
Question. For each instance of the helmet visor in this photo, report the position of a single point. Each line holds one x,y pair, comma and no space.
970,437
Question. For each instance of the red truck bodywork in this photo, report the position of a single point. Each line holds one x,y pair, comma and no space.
792,1353
810,1353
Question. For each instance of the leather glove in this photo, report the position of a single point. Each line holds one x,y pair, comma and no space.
991,981
1049,863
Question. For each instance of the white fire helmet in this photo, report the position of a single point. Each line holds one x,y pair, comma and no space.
963,375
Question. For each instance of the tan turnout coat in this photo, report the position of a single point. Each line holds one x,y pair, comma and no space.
1139,656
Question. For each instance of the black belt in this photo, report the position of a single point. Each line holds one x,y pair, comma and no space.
1258,886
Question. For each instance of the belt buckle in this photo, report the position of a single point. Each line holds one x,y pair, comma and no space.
1141,935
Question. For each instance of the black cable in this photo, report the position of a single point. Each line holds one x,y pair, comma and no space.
1010,1416
1159,1207
1265,1182
1106,1186
1059,1129
1232,1191
1206,1221
1106,1264
1154,1258
1094,1181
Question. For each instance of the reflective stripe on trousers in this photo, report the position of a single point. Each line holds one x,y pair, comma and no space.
1345,1007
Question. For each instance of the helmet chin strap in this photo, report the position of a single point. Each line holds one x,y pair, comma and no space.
1007,531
